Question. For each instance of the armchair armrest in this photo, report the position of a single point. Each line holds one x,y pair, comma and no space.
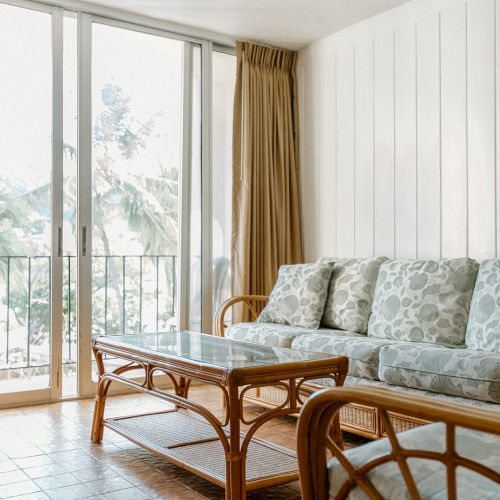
314,429
219,325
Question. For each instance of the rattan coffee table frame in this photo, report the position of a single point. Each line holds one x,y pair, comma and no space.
291,377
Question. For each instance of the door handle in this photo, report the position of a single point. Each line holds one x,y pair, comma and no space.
59,241
84,241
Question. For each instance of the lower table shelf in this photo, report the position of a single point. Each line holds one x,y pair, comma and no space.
191,443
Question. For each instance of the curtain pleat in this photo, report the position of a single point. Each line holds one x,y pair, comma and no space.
266,230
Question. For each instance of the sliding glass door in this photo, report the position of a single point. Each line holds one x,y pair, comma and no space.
134,129
29,209
104,192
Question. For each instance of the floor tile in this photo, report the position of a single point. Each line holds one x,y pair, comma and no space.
51,469
128,494
109,485
22,452
94,473
36,461
16,489
73,492
54,482
164,488
40,495
14,476
7,466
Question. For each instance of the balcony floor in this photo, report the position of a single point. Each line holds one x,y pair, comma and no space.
45,452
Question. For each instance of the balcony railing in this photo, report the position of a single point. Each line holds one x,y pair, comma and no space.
130,294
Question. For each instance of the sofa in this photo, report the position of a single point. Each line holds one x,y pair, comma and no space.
419,327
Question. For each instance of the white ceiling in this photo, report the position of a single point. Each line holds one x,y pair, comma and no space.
282,23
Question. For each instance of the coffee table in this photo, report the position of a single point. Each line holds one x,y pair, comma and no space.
190,435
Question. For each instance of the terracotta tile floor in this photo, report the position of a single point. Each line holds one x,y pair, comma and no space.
45,452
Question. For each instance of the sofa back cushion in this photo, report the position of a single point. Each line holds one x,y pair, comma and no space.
423,300
299,295
362,351
457,372
350,294
483,328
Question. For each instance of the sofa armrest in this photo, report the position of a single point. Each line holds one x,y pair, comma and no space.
314,438
219,325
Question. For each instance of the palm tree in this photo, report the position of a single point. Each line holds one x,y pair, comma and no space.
148,204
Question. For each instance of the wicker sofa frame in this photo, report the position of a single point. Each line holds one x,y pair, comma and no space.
361,419
313,441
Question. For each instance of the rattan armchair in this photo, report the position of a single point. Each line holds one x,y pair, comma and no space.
247,301
313,442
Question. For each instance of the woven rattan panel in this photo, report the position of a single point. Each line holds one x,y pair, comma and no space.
161,431
166,429
402,423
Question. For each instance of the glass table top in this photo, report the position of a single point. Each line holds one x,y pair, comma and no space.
209,349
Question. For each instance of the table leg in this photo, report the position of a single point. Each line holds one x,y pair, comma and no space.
184,384
235,460
97,427
100,400
335,431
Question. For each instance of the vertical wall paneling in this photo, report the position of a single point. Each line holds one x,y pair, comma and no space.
428,136
345,151
383,60
400,144
497,127
405,142
326,121
481,127
364,182
453,129
308,163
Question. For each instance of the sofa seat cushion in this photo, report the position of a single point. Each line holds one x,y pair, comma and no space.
272,334
356,382
423,301
429,475
299,295
363,352
350,293
457,372
483,328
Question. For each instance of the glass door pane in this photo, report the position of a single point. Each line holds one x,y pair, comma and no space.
70,163
25,198
223,83
137,139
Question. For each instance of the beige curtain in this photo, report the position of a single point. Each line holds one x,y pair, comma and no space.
266,228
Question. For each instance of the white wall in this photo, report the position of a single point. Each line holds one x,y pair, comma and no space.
399,134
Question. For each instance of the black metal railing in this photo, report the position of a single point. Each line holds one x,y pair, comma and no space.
130,294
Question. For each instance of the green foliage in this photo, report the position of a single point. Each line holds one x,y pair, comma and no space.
147,205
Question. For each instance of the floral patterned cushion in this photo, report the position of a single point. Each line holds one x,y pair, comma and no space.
429,475
423,300
350,294
458,372
299,295
363,352
483,328
271,334
356,382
